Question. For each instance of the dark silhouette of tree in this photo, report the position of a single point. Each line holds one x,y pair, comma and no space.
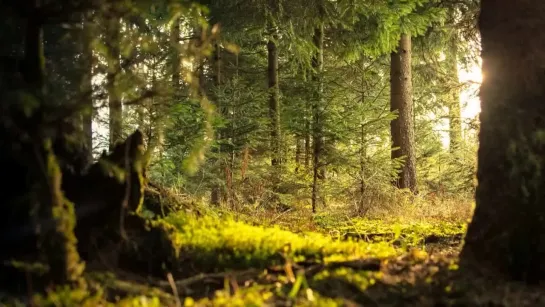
505,236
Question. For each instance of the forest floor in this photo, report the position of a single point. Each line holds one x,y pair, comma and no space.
295,258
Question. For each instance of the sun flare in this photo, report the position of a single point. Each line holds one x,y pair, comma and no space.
469,96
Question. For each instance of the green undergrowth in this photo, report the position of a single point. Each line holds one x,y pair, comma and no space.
213,243
403,233
66,296
274,295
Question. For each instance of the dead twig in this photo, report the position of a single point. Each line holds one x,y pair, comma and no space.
203,277
174,289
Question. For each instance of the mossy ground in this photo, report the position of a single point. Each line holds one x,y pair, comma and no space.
232,259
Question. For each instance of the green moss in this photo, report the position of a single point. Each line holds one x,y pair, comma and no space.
212,243
253,296
63,257
408,234
260,295
68,296
360,279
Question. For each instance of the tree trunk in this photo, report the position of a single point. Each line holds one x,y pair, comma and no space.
363,144
506,234
215,197
307,139
317,112
402,128
453,98
176,59
298,152
59,242
87,90
156,129
39,221
114,69
274,100
363,157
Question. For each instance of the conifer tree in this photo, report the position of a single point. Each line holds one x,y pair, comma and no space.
402,102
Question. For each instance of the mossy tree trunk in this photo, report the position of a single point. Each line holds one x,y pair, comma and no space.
401,100
51,214
506,235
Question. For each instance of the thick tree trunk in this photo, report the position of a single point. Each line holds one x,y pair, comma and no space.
274,100
453,98
39,222
402,128
33,63
59,242
317,117
114,69
507,230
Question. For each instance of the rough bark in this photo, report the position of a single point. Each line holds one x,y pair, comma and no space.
402,128
114,69
506,234
317,117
